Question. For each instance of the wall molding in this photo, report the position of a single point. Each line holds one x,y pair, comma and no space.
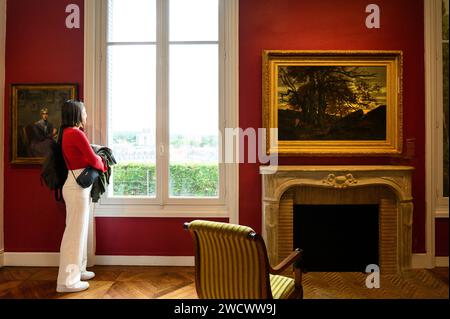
2,111
27,259
1,258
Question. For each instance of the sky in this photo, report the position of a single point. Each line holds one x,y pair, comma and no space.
193,69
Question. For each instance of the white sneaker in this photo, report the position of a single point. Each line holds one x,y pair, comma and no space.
87,275
79,286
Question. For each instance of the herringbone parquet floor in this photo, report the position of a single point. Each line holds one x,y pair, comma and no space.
126,282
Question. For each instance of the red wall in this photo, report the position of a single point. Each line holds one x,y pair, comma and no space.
144,236
332,25
40,49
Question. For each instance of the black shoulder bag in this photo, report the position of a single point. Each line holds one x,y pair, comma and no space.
87,177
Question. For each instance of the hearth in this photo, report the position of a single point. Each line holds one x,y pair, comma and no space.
337,238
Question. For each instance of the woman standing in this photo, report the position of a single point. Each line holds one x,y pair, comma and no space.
78,155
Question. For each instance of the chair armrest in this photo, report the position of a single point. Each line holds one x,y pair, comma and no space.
294,257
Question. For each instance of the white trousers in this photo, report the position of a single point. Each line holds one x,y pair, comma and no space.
73,251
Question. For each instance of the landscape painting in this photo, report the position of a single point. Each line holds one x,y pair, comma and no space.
341,103
331,103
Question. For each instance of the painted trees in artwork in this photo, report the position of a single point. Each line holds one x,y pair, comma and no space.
321,92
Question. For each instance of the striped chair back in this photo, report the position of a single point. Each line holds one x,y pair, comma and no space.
230,261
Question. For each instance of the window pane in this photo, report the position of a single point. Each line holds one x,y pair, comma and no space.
131,21
445,106
194,20
131,97
194,118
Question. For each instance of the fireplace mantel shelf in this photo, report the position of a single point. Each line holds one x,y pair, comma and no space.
337,168
276,180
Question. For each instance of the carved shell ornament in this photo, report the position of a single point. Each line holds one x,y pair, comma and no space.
341,181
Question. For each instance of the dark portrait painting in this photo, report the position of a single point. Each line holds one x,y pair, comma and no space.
36,117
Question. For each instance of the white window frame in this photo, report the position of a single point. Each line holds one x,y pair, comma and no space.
436,205
95,99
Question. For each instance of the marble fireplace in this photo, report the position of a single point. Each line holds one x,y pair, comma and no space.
388,186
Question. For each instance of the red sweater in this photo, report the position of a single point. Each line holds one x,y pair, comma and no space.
78,152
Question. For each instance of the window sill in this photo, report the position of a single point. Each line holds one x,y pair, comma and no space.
158,211
441,212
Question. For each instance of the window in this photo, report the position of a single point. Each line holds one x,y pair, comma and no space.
193,98
162,101
436,67
131,96
191,105
440,108
444,131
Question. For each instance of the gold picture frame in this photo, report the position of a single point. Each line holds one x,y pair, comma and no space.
35,119
332,103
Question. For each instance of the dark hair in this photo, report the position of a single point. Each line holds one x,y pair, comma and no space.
71,113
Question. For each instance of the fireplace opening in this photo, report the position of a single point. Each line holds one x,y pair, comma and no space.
337,238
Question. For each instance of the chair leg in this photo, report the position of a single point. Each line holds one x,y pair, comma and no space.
298,281
297,294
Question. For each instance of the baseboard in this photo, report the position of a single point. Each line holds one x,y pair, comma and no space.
145,260
52,260
31,259
441,261
421,261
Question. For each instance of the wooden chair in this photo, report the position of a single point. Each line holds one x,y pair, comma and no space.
231,262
